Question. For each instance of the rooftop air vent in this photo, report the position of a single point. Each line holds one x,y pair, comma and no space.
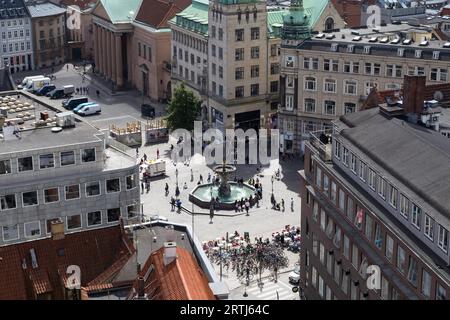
320,36
384,40
407,42
373,39
447,45
395,41
331,36
424,43
357,38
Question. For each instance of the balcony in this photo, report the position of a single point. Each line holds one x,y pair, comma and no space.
322,142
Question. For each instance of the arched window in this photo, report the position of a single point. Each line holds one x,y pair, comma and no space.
329,24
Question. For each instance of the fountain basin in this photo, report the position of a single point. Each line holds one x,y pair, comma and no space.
201,195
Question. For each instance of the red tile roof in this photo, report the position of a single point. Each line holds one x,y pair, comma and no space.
93,251
156,13
182,279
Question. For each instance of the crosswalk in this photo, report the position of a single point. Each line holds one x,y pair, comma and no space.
271,291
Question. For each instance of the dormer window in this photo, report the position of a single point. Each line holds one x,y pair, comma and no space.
418,54
350,48
400,52
436,55
334,47
366,50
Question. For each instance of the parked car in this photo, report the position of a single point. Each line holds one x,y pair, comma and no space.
89,110
36,84
75,110
45,89
294,276
26,79
72,103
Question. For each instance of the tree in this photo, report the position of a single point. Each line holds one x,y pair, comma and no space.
183,110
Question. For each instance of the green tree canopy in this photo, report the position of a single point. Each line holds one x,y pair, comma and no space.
183,110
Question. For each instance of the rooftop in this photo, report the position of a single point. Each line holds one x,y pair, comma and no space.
120,11
45,9
12,9
156,13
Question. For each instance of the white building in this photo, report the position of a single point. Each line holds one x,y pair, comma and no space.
16,49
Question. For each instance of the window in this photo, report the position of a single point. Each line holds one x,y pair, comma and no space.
353,163
273,86
331,65
132,211
113,214
355,256
310,84
404,206
94,218
345,156
30,198
443,238
10,232
67,158
349,107
314,277
239,73
384,288
273,50
333,192
220,34
220,72
239,54
389,247
351,67
337,237
213,32
254,89
5,166
346,247
32,229
438,74
350,208
239,92
368,227
74,222
393,196
72,192
350,87
382,187
337,149
330,228
412,271
88,155
345,280
92,189
25,164
311,63
441,293
113,185
213,52
394,71
51,195
416,71
429,227
416,215
401,259
372,69
289,63
330,107
220,53
323,219
362,170
371,179
8,202
315,211
326,184
329,86
46,161
239,34
342,200
310,105
274,68
255,52
255,33
426,284
378,236
322,253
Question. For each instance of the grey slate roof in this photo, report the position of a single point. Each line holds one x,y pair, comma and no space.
12,9
416,156
45,10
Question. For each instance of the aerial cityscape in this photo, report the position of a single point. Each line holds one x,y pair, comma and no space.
224,150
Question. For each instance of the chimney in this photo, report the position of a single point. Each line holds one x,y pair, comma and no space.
57,229
141,288
413,96
170,252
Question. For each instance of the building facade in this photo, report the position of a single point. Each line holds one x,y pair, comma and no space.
73,177
49,33
369,210
337,70
16,50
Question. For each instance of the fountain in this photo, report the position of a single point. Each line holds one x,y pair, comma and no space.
227,192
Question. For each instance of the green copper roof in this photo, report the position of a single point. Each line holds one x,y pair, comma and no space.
311,8
194,17
275,22
120,10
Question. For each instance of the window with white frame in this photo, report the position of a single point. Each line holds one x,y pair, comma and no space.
310,105
349,107
329,107
404,206
311,63
382,187
331,65
290,81
351,67
289,102
400,52
132,211
346,247
441,293
436,55
131,182
369,86
426,284
362,170
416,215
443,238
378,236
329,85
333,192
366,49
5,167
416,71
429,227
8,202
337,237
355,256
32,229
394,71
25,164
92,189
323,220
72,192
350,48
439,74
353,163
330,228
345,156
10,232
334,47
337,149
401,259
322,253
51,195
372,69
113,185
310,84
113,215
350,87
412,271
393,196
371,179
74,222
67,158
418,54
46,161
290,62
88,155
94,218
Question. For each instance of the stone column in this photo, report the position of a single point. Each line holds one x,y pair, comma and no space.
101,51
119,66
113,57
96,53
108,55
105,52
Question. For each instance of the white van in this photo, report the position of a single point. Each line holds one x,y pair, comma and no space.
35,84
26,79
89,109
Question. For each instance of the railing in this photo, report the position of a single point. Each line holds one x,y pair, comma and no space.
322,141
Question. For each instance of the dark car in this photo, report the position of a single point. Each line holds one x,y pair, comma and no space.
56,94
46,89
72,103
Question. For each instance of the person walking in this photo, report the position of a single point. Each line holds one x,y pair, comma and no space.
167,189
172,203
177,192
201,179
192,175
157,153
145,157
185,186
292,204
247,206
137,152
148,186
209,177
142,187
282,205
